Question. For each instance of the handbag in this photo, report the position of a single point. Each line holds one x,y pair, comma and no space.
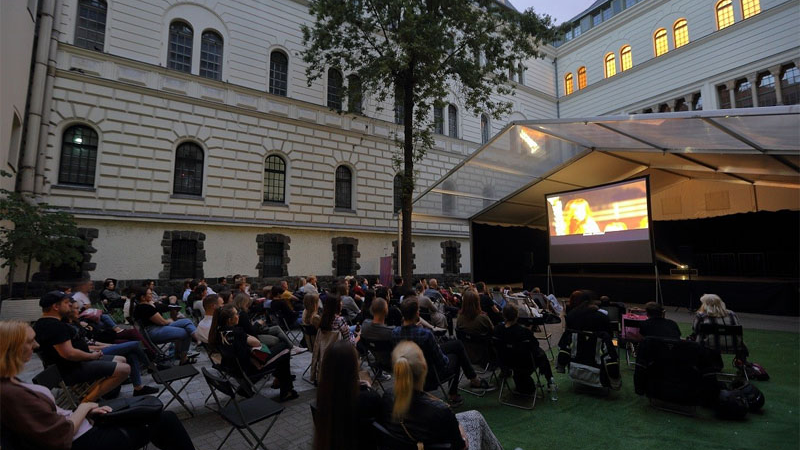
91,314
132,410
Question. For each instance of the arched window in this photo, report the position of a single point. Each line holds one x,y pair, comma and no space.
452,121
90,28
660,43
211,55
521,73
610,63
680,33
354,95
743,93
278,73
335,89
78,156
750,8
581,77
188,170
274,179
625,58
179,56
766,90
438,119
724,11
398,192
344,188
790,84
568,84
485,132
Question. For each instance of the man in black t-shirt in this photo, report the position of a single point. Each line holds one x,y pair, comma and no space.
657,325
76,366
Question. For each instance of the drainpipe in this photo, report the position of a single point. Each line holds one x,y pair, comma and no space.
558,99
38,82
41,157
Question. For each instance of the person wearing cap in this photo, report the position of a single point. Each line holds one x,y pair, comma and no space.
76,366
657,325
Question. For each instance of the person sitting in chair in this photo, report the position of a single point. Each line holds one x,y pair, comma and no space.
162,330
657,325
511,332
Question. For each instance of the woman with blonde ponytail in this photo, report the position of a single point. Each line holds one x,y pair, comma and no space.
410,411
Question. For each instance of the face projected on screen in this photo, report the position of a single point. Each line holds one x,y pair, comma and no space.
598,211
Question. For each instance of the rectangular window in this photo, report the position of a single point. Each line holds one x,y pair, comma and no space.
438,119
450,260
344,260
750,8
273,259
724,97
183,259
90,31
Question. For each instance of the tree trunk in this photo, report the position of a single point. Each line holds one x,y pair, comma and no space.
27,277
11,269
406,259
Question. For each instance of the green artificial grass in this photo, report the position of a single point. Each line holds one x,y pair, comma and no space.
624,420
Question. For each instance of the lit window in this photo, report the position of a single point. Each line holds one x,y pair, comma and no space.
278,73
750,8
179,56
211,55
78,156
90,28
610,65
568,86
625,58
660,42
680,32
724,14
581,77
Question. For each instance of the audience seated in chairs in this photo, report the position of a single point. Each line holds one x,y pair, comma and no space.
30,417
75,365
272,336
376,330
712,311
416,416
110,298
332,327
162,330
349,307
210,304
437,319
473,321
283,308
510,332
448,360
657,325
346,406
487,304
311,314
132,351
237,347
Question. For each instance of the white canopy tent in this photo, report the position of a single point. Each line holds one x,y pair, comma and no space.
700,164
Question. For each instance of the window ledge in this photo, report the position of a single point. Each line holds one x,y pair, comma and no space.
187,197
74,187
345,210
275,205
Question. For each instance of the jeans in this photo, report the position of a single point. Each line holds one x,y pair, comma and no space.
165,431
134,355
180,332
107,321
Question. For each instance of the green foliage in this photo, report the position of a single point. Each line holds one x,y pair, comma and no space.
416,51
31,231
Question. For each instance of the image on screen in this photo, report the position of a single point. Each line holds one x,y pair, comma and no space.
605,224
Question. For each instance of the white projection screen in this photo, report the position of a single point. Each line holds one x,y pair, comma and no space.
601,225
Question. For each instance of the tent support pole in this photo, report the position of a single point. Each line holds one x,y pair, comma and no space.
551,288
659,292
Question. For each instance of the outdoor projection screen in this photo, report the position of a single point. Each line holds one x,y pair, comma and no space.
603,224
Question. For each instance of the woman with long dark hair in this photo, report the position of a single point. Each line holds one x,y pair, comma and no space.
471,317
345,405
332,319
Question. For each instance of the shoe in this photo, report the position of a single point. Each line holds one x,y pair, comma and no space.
145,390
298,350
455,401
290,395
482,384
384,377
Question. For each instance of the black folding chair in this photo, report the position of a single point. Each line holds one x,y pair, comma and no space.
590,361
381,353
727,340
479,345
68,396
388,441
242,414
310,336
509,356
542,324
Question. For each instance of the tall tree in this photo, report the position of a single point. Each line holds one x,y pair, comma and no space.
414,51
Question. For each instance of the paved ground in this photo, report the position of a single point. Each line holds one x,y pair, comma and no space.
293,429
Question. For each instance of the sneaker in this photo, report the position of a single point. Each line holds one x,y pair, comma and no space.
384,377
455,401
145,390
298,350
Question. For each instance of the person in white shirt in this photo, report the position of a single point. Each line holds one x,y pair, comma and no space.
311,286
210,304
81,294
